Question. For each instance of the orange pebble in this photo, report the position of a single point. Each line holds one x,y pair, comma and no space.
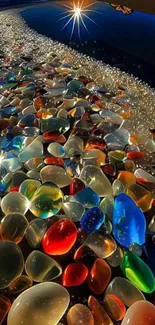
114,307
99,276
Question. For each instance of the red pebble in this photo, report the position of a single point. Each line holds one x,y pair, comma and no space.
134,155
76,186
54,161
109,169
95,143
60,237
14,189
74,275
54,136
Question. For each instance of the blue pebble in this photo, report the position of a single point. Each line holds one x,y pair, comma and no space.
88,197
92,219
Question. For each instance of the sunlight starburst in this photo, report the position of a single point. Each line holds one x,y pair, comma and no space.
76,13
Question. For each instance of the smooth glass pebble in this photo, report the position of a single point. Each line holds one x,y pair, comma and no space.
19,284
116,156
102,245
79,314
5,305
54,124
13,227
95,143
126,178
129,223
99,276
107,206
76,186
34,164
55,174
46,201
73,146
33,150
88,198
28,188
59,238
74,275
93,177
142,311
145,179
92,219
34,175
73,210
136,249
14,202
40,267
114,307
117,187
12,164
54,136
125,290
54,161
11,258
30,308
35,232
116,258
99,313
138,272
140,196
56,149
93,157
117,139
129,165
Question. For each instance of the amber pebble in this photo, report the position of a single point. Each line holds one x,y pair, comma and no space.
80,314
54,136
54,161
38,103
13,227
125,290
126,178
40,267
74,275
140,313
140,196
99,276
43,304
5,306
95,143
114,306
21,283
99,314
36,232
11,263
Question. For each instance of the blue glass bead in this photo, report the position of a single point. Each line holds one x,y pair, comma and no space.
88,197
129,223
28,120
92,219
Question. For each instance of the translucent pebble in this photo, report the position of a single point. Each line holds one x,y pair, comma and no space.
60,237
99,276
92,219
102,245
136,249
54,124
99,313
117,139
126,178
74,146
34,175
56,149
14,202
13,227
138,272
30,306
34,164
116,156
28,188
125,290
21,283
129,165
116,258
54,161
55,174
111,117
40,267
117,187
142,311
80,314
11,258
74,275
107,205
93,157
88,197
33,150
145,179
76,186
47,200
73,210
12,164
129,224
114,307
5,306
95,178
35,232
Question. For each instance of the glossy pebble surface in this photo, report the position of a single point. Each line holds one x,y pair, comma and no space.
142,311
13,227
114,306
99,276
30,307
74,275
79,314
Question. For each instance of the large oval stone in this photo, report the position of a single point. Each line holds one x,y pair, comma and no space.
43,304
141,312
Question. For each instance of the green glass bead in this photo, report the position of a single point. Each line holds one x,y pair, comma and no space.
138,272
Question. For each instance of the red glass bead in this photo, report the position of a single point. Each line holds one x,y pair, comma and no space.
76,186
134,155
74,275
54,161
60,237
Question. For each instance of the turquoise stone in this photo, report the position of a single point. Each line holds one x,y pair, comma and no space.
54,124
88,197
138,272
128,221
